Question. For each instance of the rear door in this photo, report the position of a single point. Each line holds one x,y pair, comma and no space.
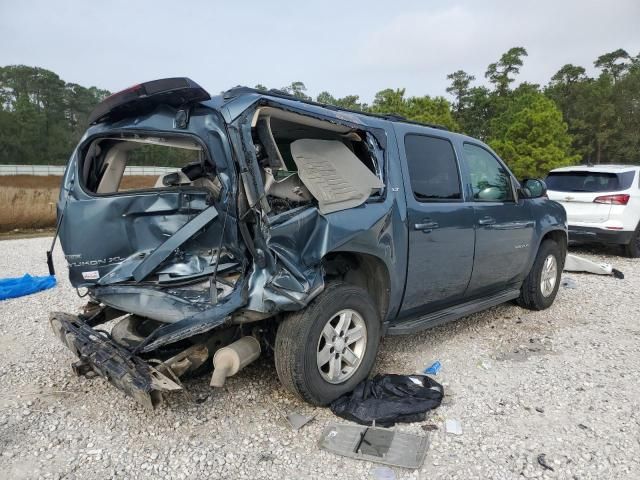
578,192
441,235
106,236
504,227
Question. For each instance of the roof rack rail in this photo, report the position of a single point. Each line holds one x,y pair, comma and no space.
394,117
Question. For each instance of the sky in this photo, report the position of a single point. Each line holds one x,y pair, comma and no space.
344,47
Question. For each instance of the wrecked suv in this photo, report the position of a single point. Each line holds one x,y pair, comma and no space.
291,228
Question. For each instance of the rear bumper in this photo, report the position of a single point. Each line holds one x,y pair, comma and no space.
96,352
599,235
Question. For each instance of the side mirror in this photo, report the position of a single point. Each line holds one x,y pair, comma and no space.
533,188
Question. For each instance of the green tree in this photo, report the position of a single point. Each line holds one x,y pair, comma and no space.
473,106
613,63
572,91
474,120
501,73
352,102
531,136
624,144
603,113
41,116
420,109
460,88
297,89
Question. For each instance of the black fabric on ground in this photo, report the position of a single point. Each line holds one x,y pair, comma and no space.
390,399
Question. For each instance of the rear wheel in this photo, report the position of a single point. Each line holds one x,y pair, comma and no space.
325,350
540,288
632,249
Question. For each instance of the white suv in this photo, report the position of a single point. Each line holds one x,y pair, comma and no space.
602,203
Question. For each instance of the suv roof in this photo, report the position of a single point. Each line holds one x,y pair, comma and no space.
239,91
596,168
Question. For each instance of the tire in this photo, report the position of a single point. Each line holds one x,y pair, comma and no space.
632,249
532,295
302,335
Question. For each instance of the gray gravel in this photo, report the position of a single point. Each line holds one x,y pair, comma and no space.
563,382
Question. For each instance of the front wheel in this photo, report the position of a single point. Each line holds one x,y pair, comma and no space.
326,349
540,288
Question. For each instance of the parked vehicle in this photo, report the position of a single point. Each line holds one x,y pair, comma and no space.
294,228
602,203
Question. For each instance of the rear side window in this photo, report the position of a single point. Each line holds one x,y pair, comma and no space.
433,170
589,181
119,164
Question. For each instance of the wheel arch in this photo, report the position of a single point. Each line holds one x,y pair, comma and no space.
364,270
557,235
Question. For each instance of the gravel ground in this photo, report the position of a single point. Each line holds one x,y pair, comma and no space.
564,382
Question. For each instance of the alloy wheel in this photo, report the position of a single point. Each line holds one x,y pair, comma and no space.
341,346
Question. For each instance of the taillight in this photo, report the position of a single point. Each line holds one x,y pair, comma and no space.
621,199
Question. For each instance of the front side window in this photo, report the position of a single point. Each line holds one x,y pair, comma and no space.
490,181
433,170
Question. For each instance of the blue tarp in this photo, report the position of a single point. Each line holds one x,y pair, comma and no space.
17,287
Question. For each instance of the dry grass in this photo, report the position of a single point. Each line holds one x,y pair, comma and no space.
136,182
28,202
27,208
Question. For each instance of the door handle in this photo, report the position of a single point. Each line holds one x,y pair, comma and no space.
486,221
426,226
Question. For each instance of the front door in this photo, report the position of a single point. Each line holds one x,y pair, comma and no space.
504,227
441,234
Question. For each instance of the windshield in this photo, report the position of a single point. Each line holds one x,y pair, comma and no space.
589,181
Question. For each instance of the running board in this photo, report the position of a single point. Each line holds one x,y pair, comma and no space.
452,313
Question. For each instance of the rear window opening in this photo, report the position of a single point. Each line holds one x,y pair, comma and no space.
589,181
129,163
307,161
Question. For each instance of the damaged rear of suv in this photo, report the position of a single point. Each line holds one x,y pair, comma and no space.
281,226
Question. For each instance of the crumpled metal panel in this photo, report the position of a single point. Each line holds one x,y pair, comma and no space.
149,302
301,241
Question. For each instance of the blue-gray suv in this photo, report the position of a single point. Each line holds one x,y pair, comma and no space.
273,225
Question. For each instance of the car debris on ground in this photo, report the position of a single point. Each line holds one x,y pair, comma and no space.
433,369
383,473
574,263
389,399
452,426
294,419
542,460
375,444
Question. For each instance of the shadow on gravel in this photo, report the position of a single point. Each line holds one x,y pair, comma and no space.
507,311
596,249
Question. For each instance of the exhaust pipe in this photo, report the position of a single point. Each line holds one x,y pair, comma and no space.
230,359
